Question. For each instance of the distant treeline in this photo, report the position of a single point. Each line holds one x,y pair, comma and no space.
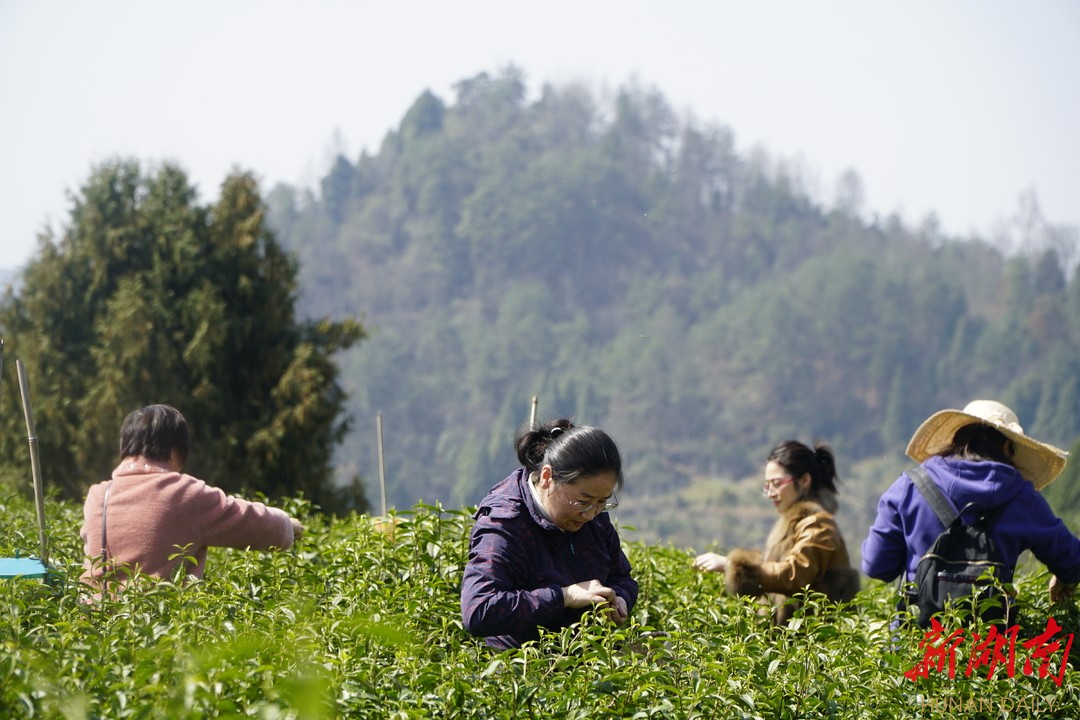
635,272
627,267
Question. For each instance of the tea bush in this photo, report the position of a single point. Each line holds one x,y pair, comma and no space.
362,620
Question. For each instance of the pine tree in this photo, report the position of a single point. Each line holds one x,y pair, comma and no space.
149,297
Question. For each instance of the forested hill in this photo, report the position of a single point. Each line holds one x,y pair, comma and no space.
633,271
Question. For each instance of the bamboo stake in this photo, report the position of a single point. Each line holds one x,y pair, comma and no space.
532,415
1,371
382,466
35,466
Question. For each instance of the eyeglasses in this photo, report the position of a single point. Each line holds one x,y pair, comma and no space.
775,484
583,507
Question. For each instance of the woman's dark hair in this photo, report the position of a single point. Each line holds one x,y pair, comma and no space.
571,451
798,459
980,443
154,432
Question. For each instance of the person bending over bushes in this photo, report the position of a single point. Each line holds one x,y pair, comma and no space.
543,548
983,463
150,516
805,550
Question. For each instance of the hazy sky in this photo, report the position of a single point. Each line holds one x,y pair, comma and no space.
951,106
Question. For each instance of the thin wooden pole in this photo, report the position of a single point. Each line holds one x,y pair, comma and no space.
382,465
532,415
35,466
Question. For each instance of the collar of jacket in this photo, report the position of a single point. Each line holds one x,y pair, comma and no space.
826,499
806,507
785,524
535,512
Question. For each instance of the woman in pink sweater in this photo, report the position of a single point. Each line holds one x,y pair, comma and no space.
149,511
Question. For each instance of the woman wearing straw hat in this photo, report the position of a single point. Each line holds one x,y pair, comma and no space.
980,456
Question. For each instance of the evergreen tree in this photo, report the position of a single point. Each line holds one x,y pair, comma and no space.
151,298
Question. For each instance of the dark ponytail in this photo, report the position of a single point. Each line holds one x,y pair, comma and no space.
798,459
571,451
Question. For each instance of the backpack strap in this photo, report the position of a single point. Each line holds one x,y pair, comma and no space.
929,489
941,505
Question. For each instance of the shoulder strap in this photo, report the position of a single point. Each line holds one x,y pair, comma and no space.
104,515
104,540
938,502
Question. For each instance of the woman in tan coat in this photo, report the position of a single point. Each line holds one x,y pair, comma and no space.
805,550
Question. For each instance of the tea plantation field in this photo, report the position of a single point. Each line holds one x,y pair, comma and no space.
358,622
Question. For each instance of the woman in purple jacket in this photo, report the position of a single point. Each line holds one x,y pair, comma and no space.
543,549
976,455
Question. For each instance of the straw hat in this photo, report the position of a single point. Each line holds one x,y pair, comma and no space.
1038,462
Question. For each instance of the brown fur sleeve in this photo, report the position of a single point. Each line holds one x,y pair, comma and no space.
743,576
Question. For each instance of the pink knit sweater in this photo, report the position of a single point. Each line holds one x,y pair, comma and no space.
153,511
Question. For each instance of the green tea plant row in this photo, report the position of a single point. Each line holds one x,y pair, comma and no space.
361,621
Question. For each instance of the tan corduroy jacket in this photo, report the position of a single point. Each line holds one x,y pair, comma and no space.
805,550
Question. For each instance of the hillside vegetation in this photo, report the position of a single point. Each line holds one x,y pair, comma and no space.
627,267
358,623
633,271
